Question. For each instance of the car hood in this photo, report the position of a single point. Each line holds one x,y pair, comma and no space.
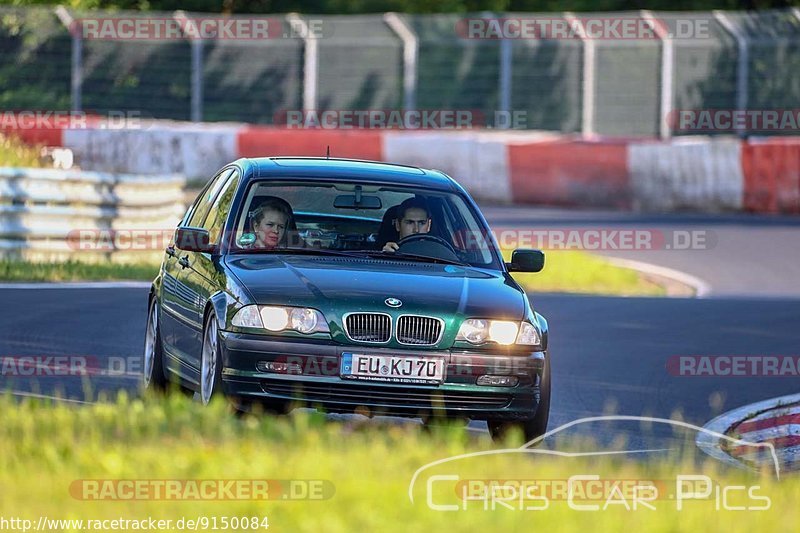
341,285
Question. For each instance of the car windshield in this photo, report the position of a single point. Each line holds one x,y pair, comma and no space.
359,219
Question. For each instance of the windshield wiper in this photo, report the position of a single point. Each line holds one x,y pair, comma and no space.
353,254
299,251
425,258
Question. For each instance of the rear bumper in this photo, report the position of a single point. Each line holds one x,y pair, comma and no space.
314,380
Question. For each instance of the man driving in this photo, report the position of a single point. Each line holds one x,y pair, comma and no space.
413,217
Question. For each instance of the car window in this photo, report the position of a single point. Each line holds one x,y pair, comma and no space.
215,220
202,205
326,216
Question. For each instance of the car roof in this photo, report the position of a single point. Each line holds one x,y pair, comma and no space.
354,170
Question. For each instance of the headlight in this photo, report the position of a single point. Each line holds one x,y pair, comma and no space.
304,320
474,331
275,318
480,331
247,317
503,332
528,335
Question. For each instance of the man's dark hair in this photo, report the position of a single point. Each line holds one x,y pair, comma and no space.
414,202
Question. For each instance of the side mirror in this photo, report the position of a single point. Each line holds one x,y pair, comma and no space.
526,261
193,240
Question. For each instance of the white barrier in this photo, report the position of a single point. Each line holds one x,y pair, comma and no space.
477,160
687,173
701,174
41,208
156,147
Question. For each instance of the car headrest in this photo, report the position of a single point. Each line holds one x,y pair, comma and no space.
387,232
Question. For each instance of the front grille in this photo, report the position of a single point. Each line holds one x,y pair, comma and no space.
419,330
368,327
383,396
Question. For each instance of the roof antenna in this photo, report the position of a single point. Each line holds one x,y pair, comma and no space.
328,154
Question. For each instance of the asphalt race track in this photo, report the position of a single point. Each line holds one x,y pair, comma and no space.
743,256
609,354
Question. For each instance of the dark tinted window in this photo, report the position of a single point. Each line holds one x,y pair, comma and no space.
215,221
324,216
203,204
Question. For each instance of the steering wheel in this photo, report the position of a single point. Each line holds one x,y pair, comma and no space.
427,244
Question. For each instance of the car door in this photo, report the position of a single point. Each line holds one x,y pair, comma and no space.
179,300
168,296
199,277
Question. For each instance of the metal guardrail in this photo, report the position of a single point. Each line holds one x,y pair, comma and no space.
42,209
702,60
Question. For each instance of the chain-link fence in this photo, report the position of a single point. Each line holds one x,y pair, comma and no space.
705,69
35,60
657,81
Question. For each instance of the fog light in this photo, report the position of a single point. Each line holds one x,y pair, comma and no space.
498,381
278,367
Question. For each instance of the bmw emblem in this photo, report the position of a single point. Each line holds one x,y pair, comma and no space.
393,302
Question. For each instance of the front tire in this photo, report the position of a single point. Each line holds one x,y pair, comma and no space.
534,427
210,362
153,365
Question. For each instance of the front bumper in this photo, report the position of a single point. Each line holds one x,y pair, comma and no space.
313,379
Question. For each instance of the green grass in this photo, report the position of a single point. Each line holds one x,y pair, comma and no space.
575,271
15,153
45,448
14,270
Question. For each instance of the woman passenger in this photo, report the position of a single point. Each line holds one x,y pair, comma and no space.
270,221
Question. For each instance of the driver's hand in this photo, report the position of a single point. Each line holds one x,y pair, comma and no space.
391,247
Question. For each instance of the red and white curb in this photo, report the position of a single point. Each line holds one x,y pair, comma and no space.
699,173
774,424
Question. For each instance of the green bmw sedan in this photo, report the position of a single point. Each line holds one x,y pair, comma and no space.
347,286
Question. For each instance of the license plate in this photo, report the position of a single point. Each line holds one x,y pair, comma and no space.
392,368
